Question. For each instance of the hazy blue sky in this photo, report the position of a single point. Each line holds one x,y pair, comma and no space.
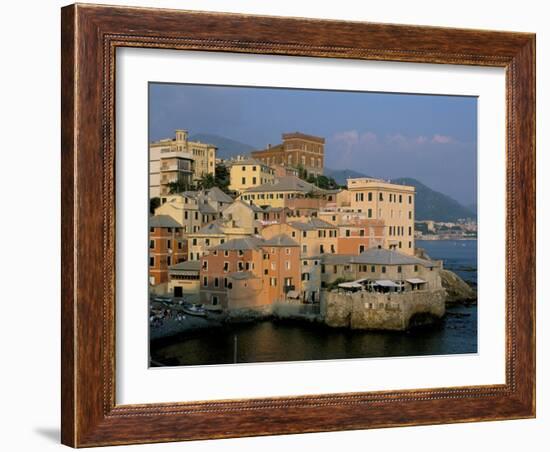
430,138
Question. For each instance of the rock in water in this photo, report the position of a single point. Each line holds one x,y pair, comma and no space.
457,289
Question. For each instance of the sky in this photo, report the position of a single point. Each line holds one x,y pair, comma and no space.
426,137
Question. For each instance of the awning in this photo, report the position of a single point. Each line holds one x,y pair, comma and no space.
415,281
293,294
386,283
350,285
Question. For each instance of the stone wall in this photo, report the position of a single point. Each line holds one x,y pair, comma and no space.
367,310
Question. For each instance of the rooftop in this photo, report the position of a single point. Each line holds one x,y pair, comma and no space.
186,266
380,256
286,183
280,240
245,243
311,225
163,221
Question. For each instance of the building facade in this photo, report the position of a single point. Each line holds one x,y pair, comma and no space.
248,173
297,150
178,159
167,247
391,203
250,272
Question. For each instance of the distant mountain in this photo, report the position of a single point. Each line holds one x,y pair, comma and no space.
227,148
341,176
433,205
472,208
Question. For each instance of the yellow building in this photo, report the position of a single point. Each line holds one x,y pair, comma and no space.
391,203
176,158
278,193
245,174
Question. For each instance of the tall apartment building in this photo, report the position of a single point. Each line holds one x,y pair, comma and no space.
296,150
391,203
174,159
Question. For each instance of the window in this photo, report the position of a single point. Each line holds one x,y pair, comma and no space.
226,253
369,213
287,250
400,198
332,250
410,199
241,253
399,244
361,232
205,281
410,215
410,244
399,269
151,261
321,249
243,181
347,232
205,265
304,248
214,300
305,276
304,234
254,181
226,267
416,268
383,269
410,230
168,260
196,215
380,197
372,268
254,169
370,196
240,266
216,282
273,282
287,265
151,244
361,248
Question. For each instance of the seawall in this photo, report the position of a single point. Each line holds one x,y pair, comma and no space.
375,311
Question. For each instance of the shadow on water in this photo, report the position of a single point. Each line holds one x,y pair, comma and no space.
272,341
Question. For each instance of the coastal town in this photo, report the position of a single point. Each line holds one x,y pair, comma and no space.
269,233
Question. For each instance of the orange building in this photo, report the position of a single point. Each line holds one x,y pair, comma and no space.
355,237
166,247
250,272
296,150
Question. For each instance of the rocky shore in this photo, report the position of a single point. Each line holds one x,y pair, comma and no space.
458,291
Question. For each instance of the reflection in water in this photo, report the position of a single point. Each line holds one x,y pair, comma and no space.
274,341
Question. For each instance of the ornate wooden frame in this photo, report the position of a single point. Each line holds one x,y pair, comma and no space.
90,35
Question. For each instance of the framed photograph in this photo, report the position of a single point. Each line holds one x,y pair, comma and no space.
282,225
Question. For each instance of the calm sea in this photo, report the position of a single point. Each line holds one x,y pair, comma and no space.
459,256
272,341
